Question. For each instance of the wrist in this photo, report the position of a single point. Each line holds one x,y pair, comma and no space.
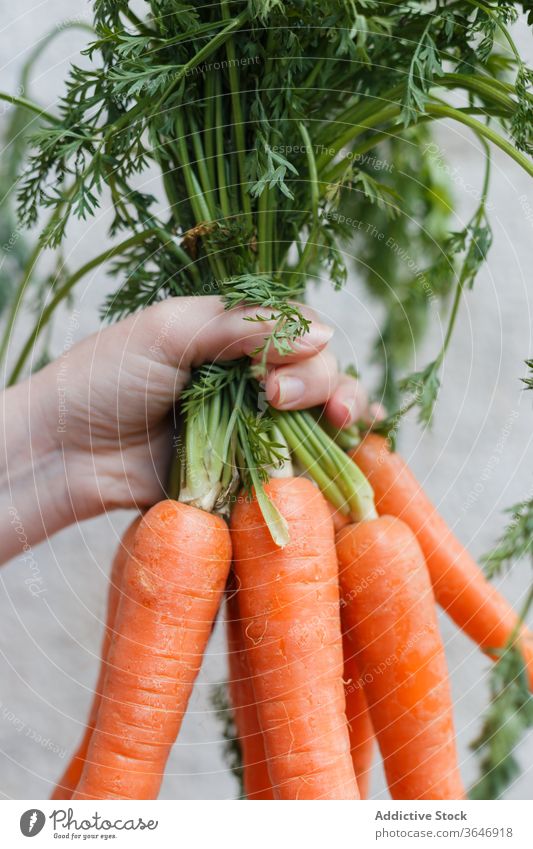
34,501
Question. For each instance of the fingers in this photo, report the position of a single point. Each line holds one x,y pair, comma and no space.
376,413
238,333
185,332
191,331
316,381
349,402
304,384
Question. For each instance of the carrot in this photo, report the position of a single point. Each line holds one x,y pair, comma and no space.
69,780
460,586
359,722
257,783
289,602
171,591
389,615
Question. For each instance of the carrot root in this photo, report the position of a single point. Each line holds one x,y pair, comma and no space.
70,778
172,589
390,617
289,602
460,586
257,783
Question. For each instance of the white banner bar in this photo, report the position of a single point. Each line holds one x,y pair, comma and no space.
269,825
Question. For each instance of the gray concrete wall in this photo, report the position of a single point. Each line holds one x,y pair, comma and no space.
475,462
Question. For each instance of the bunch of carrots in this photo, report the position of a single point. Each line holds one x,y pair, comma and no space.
333,642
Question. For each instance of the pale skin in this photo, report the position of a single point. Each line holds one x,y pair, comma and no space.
92,431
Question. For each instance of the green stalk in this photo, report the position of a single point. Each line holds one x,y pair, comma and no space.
358,112
174,476
277,524
167,168
32,107
358,492
394,419
204,53
313,171
205,428
338,477
209,129
434,110
366,115
207,185
226,447
237,395
236,439
19,297
264,265
140,25
484,87
296,440
379,117
441,110
463,275
14,126
311,245
346,438
238,119
196,198
217,437
503,29
197,488
220,158
26,277
305,256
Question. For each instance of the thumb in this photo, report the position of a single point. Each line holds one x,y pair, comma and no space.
195,330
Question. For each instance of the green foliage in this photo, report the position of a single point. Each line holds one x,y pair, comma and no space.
515,543
286,136
232,748
528,380
258,201
148,271
424,387
509,715
273,296
424,67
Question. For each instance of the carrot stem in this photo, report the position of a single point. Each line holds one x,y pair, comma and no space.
339,478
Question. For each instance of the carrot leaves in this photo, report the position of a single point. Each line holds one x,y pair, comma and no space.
510,712
507,718
516,541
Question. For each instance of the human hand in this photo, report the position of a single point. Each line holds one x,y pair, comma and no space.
113,432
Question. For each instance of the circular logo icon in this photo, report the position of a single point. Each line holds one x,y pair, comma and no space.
32,822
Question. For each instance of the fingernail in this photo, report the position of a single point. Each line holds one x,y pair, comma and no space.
317,336
290,390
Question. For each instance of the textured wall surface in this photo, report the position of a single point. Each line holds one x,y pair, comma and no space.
476,460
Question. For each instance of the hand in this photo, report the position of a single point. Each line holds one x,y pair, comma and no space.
110,433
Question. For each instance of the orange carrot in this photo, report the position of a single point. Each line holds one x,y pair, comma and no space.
289,602
171,591
257,783
359,722
460,586
390,617
69,780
